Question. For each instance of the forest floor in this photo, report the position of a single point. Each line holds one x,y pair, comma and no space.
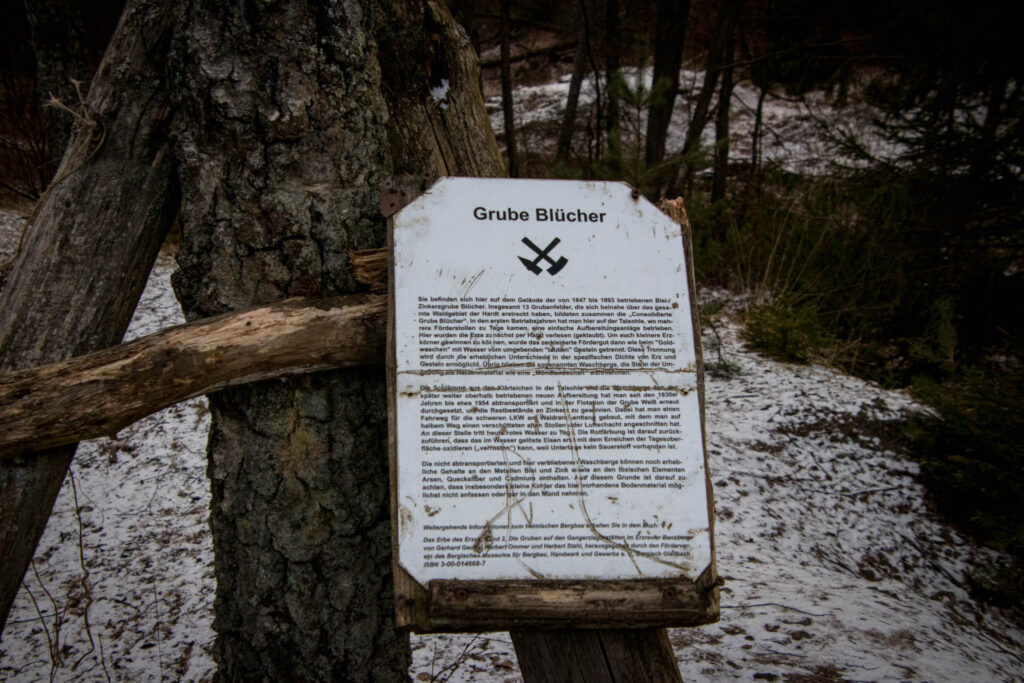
836,565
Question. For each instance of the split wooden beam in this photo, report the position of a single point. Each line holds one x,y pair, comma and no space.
103,392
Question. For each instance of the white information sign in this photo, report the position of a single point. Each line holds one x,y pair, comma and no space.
548,423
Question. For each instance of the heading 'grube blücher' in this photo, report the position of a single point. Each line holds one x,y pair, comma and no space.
541,215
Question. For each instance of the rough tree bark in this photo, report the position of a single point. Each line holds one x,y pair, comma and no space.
281,150
85,256
285,142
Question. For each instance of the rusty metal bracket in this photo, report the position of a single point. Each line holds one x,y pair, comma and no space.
392,199
398,191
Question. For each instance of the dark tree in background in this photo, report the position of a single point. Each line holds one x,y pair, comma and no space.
669,41
579,68
612,71
507,106
725,25
724,111
67,48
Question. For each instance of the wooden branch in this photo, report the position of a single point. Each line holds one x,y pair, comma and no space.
102,392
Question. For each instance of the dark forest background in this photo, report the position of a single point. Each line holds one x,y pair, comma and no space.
907,270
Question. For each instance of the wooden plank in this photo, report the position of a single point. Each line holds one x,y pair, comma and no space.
410,597
674,209
544,604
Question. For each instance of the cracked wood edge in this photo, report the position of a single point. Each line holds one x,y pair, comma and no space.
103,392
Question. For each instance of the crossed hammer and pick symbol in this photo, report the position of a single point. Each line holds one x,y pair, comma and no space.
542,255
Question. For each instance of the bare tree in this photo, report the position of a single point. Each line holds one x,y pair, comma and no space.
579,69
722,119
669,41
728,15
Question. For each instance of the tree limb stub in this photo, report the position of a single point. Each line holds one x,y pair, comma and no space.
103,392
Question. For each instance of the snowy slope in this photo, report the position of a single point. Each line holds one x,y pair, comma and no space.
834,564
791,136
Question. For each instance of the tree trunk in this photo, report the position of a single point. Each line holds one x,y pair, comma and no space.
430,136
86,254
728,15
757,134
579,68
613,80
669,40
283,153
506,92
722,124
595,128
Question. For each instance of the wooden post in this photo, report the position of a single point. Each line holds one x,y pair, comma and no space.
88,250
619,656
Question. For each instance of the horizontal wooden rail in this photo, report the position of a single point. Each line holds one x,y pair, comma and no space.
103,392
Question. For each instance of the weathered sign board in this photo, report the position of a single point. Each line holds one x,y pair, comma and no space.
548,451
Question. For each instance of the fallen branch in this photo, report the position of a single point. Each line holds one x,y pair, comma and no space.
103,392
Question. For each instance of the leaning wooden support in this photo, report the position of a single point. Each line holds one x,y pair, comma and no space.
103,392
88,249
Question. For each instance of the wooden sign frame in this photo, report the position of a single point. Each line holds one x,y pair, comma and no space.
452,606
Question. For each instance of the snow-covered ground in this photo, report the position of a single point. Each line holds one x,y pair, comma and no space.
834,564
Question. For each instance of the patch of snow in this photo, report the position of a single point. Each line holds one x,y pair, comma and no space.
440,93
143,499
797,134
834,563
